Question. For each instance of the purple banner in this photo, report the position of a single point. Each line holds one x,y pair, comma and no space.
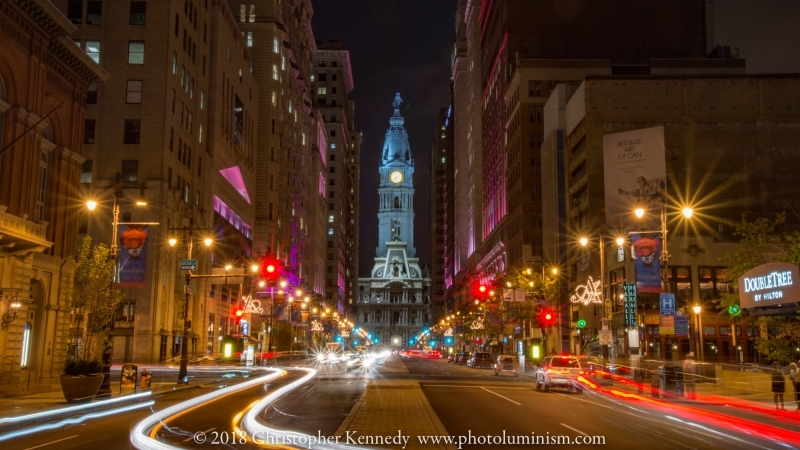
132,256
645,251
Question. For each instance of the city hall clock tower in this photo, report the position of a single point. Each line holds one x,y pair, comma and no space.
396,191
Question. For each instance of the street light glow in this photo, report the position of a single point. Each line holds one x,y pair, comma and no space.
228,267
254,268
141,203
283,284
91,204
639,212
687,212
261,284
172,242
208,242
620,241
584,241
697,309
554,270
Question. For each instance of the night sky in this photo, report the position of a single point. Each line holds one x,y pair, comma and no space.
405,46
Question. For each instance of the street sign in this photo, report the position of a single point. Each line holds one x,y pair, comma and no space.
245,328
667,302
188,264
605,337
681,326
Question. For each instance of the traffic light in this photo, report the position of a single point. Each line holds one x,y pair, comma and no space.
581,323
547,318
481,292
239,314
271,269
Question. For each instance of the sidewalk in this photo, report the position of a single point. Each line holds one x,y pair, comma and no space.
392,408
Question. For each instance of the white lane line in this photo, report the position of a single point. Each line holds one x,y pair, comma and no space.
191,438
574,429
472,386
495,393
31,448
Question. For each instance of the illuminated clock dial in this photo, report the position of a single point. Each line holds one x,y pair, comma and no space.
396,176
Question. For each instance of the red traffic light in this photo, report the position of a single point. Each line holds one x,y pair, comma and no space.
547,318
482,289
270,268
239,313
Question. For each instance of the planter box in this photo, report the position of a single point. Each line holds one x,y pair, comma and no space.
81,388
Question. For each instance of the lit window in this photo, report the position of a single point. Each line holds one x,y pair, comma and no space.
252,13
274,99
174,63
333,145
93,50
200,136
330,219
283,62
249,38
275,45
274,71
330,231
136,52
322,90
202,99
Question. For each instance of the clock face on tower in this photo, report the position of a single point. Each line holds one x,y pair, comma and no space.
396,177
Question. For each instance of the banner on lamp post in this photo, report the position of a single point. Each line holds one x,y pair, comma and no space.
645,248
133,256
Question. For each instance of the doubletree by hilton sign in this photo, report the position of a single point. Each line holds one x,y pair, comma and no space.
769,285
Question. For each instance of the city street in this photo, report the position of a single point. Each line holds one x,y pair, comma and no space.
467,401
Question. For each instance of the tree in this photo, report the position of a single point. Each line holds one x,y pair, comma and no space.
764,241
94,301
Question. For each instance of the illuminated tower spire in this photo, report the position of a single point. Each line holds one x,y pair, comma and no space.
396,191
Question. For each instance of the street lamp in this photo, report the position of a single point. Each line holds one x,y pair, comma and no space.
697,310
183,377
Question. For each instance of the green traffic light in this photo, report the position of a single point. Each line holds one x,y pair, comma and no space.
581,323
734,310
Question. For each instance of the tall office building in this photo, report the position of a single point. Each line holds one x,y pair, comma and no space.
292,148
175,126
442,207
332,83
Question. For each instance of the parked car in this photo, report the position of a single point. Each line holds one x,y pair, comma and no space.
506,364
562,371
462,357
480,359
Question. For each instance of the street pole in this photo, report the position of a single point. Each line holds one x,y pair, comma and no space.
700,336
664,253
183,373
271,313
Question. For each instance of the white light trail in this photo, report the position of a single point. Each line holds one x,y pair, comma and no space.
258,430
73,421
69,409
140,433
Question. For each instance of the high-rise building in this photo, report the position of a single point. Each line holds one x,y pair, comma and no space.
44,80
331,85
394,303
146,136
442,207
292,173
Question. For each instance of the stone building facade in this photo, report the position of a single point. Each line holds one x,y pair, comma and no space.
44,80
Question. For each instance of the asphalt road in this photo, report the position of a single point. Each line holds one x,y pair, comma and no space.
467,401
499,405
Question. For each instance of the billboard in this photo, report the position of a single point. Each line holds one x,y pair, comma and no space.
635,174
645,249
133,256
769,284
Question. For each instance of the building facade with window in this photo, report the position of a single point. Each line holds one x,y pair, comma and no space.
331,85
44,80
149,125
734,117
230,143
289,173
394,303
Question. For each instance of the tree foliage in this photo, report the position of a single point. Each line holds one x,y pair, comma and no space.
94,301
763,241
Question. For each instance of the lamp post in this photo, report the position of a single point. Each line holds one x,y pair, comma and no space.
118,193
697,310
182,372
687,212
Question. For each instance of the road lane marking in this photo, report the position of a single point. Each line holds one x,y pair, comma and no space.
471,386
38,446
495,393
191,438
574,429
